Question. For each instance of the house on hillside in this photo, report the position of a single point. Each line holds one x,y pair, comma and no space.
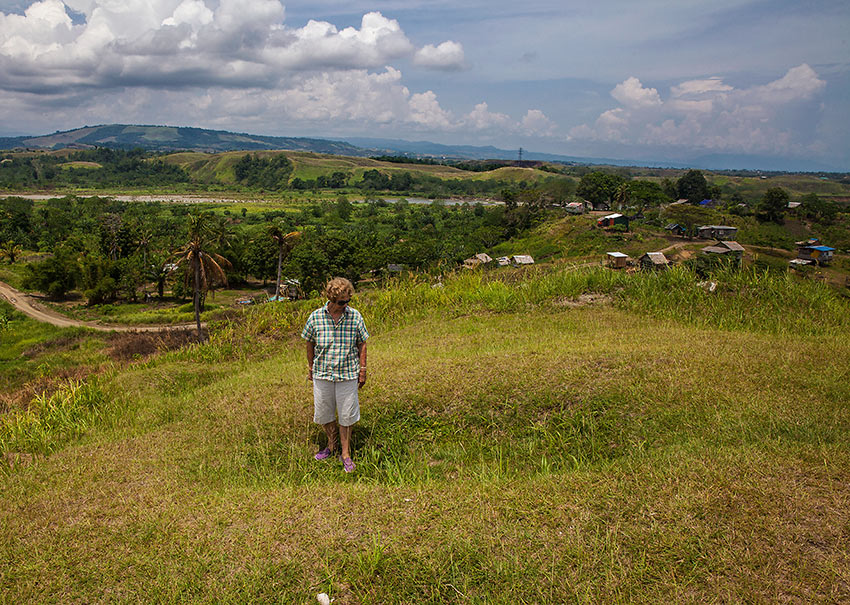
721,232
821,255
575,208
611,220
503,261
676,229
616,260
653,261
476,261
725,248
521,259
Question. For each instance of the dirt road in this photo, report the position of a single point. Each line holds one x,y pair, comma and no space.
27,305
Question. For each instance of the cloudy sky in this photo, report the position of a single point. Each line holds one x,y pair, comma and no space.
650,80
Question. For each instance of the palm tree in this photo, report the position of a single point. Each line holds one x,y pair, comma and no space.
204,269
622,196
10,250
285,243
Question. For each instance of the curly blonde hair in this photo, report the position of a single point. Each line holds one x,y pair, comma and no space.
337,288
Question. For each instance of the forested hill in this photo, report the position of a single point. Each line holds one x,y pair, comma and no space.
168,138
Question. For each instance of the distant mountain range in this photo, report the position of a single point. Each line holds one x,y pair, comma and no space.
176,138
171,138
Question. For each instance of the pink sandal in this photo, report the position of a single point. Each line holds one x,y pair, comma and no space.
325,453
348,465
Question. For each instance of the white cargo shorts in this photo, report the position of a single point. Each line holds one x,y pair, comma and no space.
335,401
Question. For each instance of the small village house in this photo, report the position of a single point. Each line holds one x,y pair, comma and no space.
616,260
611,220
503,261
653,261
725,248
721,232
676,229
478,260
521,259
575,208
819,254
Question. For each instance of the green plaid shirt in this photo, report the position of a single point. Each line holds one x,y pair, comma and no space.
336,357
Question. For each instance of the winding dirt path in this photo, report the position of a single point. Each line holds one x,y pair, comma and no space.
29,306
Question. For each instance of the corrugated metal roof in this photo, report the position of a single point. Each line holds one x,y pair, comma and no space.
822,248
732,245
618,255
657,258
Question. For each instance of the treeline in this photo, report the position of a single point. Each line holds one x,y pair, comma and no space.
110,250
95,168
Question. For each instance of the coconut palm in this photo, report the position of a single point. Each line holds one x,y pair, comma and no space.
285,243
10,250
202,268
622,196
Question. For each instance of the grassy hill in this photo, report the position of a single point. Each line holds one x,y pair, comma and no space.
206,167
567,436
169,138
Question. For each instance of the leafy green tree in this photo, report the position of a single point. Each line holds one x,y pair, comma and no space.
646,194
820,210
773,205
55,275
692,186
319,257
372,179
202,267
132,276
98,278
598,187
343,208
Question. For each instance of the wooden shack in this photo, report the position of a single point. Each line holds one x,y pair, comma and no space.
720,232
725,248
616,260
653,261
478,260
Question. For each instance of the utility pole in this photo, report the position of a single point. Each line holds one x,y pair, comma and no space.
520,155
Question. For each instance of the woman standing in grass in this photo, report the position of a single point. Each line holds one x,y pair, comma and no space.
336,357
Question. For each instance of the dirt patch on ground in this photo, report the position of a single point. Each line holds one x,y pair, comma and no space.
584,300
62,343
130,346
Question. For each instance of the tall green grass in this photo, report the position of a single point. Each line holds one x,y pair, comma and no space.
53,420
748,299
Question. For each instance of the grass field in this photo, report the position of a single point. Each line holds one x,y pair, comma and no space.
517,445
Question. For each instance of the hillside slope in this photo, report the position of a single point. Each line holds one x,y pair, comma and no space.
171,138
630,459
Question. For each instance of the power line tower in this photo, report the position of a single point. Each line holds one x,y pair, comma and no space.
519,158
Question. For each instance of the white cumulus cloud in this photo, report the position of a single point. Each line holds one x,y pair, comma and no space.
631,93
711,115
446,56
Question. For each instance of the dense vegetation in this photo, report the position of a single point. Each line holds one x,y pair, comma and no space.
108,248
97,168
